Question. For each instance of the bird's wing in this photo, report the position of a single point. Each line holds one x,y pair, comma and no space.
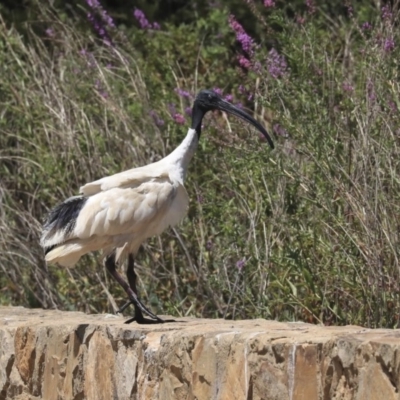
118,218
126,210
131,178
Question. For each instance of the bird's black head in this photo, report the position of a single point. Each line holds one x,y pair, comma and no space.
208,100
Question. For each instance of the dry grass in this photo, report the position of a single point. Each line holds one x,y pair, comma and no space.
309,231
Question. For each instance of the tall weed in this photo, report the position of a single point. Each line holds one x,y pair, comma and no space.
306,232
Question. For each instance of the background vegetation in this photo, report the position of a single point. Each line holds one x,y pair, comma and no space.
309,231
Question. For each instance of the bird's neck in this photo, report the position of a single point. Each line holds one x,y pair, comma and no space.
182,155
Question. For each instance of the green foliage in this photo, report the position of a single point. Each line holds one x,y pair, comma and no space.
307,232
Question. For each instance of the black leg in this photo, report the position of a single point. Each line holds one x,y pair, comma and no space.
131,275
139,306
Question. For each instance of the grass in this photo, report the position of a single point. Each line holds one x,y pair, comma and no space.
307,232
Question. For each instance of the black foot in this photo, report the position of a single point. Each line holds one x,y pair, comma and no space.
142,320
130,289
147,321
139,307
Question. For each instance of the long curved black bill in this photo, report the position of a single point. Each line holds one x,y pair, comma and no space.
224,105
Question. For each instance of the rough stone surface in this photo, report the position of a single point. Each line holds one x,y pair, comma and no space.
70,355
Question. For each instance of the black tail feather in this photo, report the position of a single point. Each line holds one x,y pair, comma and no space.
63,217
49,249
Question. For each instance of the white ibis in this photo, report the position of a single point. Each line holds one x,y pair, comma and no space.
118,213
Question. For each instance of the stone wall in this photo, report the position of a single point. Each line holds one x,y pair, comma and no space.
70,355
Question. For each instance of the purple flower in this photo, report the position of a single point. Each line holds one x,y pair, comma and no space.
269,3
91,61
245,91
143,21
386,12
366,26
276,64
388,45
350,11
240,264
244,62
158,121
229,97
188,111
242,37
300,20
141,18
218,91
280,130
392,106
179,119
49,32
182,93
310,6
235,25
246,41
347,87
93,3
100,20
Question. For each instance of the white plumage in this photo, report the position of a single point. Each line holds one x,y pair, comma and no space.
118,213
123,210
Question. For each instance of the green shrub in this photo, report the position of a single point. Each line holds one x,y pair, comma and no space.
306,232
